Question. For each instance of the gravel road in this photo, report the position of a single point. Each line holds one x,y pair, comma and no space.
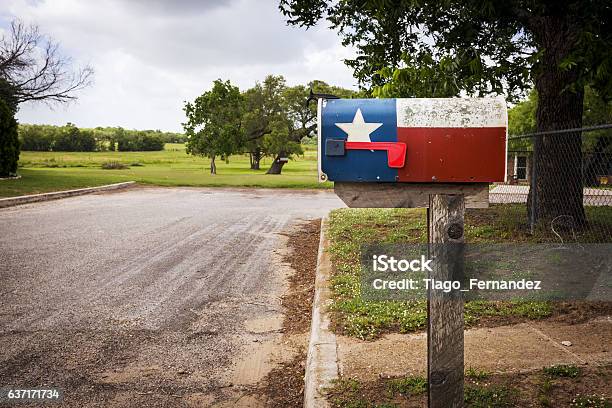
140,298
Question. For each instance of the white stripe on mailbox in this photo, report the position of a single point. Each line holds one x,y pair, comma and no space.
451,112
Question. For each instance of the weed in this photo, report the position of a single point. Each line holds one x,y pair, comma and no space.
345,393
544,395
476,374
547,386
562,370
114,165
544,401
407,386
493,396
342,386
591,401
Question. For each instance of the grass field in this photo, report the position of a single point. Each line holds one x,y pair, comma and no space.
350,228
53,171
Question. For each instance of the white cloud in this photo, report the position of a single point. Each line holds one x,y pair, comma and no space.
150,56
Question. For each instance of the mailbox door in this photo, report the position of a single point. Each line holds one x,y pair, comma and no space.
461,140
356,120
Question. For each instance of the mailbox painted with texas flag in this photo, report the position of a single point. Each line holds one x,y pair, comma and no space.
418,140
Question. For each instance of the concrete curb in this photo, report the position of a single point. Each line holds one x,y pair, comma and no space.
12,201
322,360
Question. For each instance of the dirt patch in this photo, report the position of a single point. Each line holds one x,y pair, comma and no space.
304,244
284,384
265,324
524,347
352,393
580,311
530,389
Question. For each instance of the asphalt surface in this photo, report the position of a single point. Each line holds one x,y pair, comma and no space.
139,298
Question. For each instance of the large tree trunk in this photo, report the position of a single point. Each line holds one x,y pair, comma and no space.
557,158
277,164
255,157
213,166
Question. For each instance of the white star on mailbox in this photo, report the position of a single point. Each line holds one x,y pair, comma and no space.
358,130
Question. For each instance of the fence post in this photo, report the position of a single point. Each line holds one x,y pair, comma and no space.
445,221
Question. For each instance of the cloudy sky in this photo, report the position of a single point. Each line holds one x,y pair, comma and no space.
150,56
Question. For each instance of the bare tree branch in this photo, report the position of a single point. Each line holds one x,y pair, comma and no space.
32,68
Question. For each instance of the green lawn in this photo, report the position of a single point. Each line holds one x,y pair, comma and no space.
53,171
349,229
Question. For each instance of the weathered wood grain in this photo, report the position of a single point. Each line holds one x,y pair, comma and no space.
408,195
445,310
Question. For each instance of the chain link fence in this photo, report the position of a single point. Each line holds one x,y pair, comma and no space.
564,179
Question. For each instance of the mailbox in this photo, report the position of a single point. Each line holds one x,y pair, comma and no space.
413,140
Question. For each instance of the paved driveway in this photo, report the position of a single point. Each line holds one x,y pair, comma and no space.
139,297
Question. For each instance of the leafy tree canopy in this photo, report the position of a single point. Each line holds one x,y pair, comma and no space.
522,119
441,48
270,119
213,124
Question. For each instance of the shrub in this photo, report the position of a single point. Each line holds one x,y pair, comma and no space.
113,165
9,141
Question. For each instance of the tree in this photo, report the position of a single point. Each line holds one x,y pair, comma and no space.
73,139
286,134
9,141
139,141
282,143
522,120
213,126
432,48
298,123
35,138
7,95
263,107
32,68
305,117
596,111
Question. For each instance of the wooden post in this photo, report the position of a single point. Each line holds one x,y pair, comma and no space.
445,310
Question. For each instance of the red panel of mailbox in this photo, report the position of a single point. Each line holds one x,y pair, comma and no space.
453,154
